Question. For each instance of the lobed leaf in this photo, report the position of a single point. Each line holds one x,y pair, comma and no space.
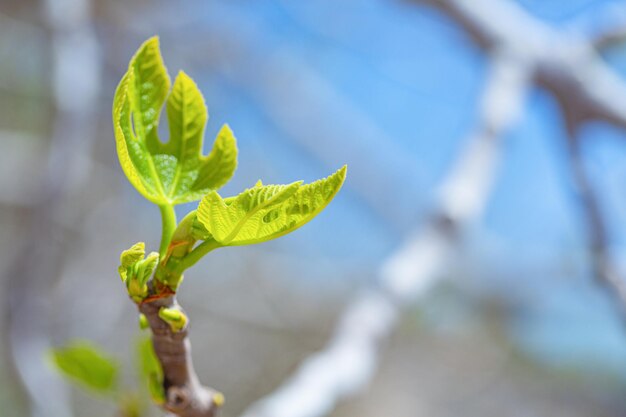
87,365
174,172
265,212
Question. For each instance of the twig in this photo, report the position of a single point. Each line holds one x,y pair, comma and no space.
185,396
614,31
608,39
566,65
605,271
586,88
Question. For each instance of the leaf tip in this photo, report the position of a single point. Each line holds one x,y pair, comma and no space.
149,49
342,173
152,42
226,133
338,177
183,78
132,254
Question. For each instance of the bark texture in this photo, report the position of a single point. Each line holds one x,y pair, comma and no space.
185,395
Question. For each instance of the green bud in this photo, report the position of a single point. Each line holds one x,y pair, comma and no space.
174,317
143,321
136,271
218,399
136,290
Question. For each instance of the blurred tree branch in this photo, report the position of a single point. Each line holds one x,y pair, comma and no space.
348,361
610,38
524,53
604,267
614,32
571,69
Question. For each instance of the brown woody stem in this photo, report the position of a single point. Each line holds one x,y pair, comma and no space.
185,396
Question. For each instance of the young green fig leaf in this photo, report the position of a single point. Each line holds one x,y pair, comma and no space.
87,365
174,172
146,267
129,258
133,254
265,212
136,271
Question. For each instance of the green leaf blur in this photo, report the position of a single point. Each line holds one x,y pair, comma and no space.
87,366
151,370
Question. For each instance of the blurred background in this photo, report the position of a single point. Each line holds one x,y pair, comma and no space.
517,325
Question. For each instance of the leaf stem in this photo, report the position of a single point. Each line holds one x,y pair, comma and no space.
168,217
196,254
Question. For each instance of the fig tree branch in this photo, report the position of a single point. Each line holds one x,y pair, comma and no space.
184,395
